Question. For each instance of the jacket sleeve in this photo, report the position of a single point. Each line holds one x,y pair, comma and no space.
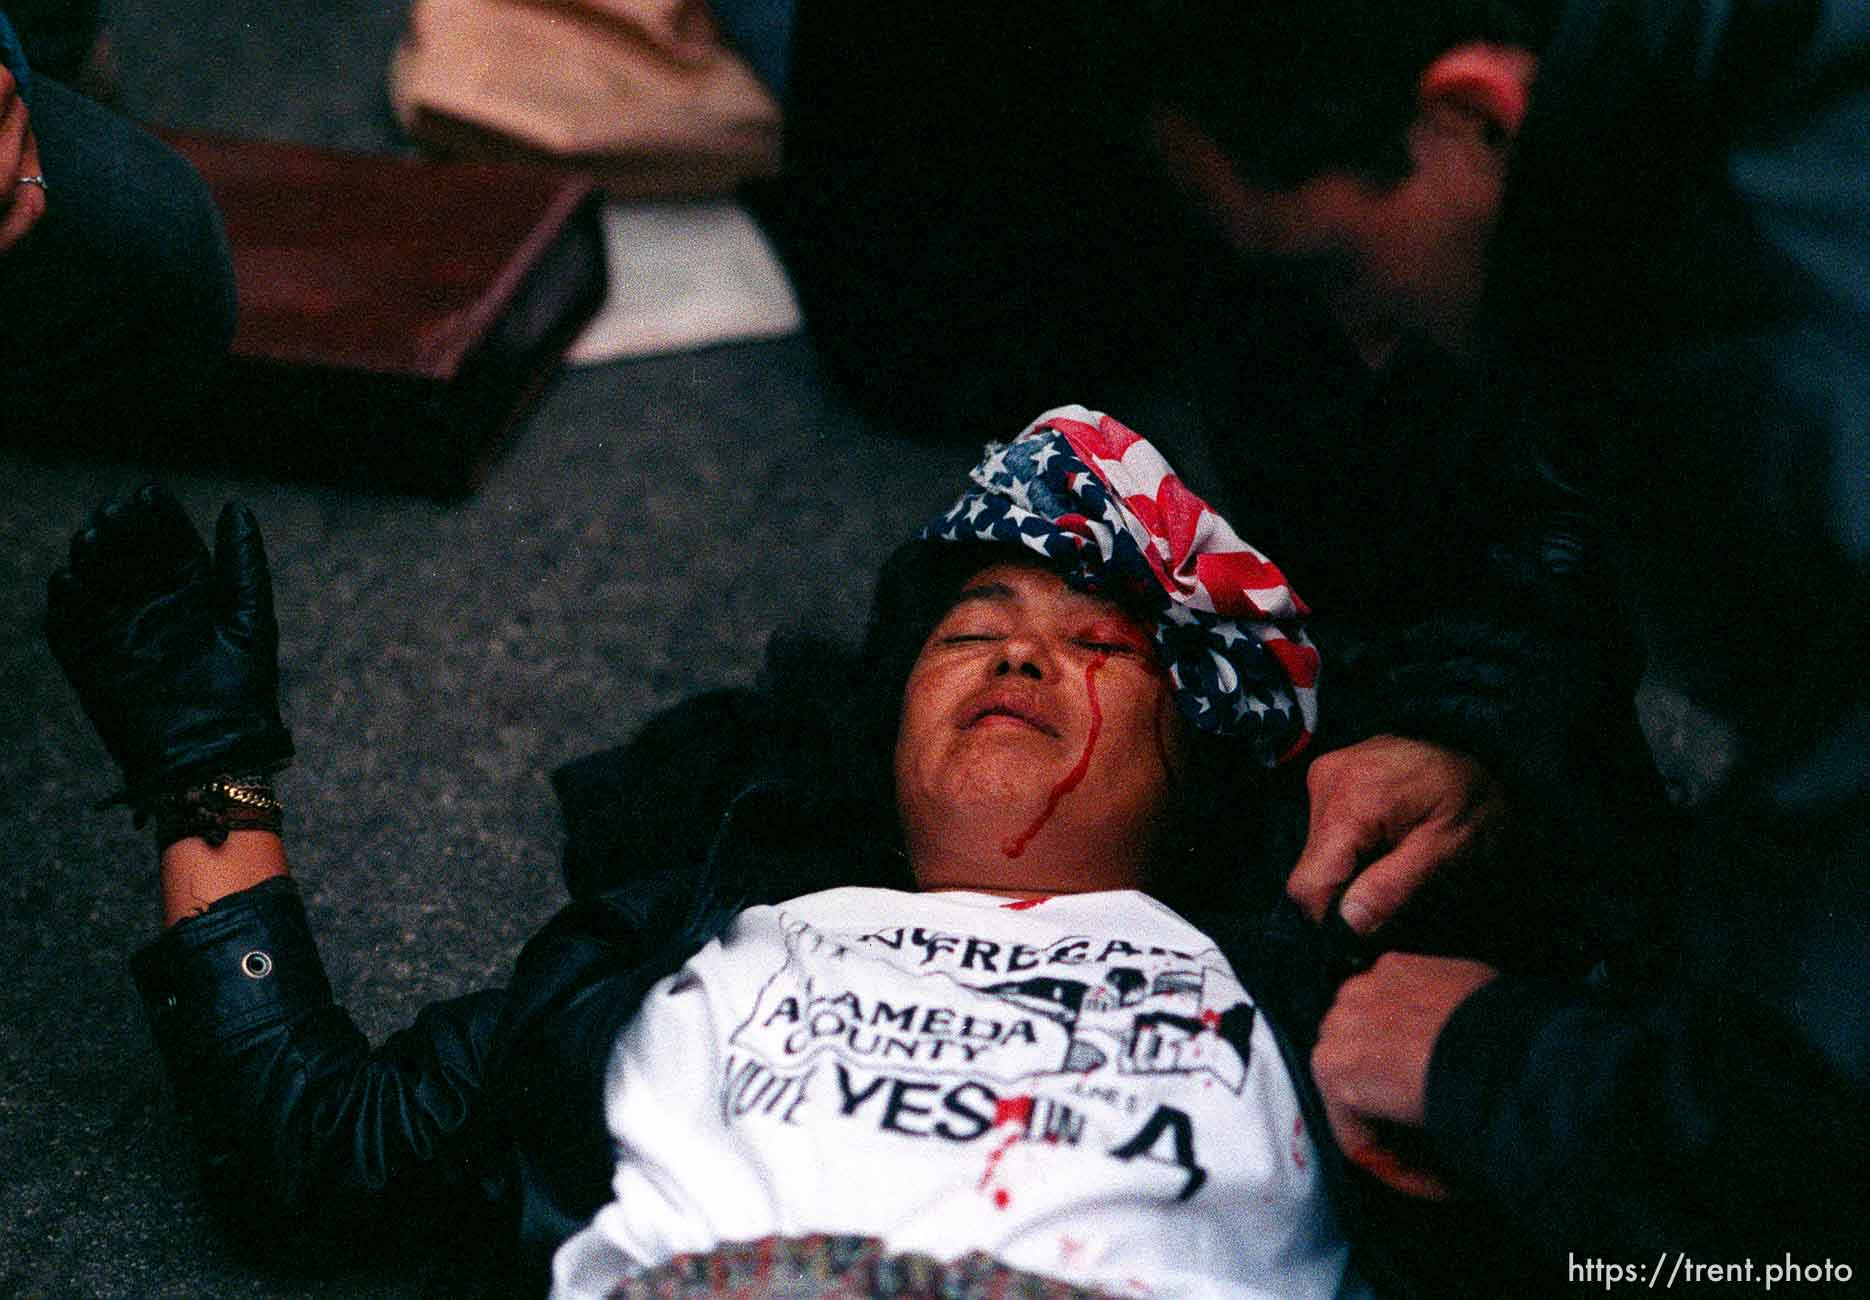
1725,1109
577,985
491,1102
1724,1105
303,1130
1529,670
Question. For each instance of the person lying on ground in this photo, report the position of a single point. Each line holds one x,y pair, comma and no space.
985,968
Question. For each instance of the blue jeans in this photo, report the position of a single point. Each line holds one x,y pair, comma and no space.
118,304
761,31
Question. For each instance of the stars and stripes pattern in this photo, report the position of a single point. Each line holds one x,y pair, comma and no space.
1082,490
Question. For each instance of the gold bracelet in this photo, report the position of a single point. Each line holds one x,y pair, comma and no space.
214,808
253,791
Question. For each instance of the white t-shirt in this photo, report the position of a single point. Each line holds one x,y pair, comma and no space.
1079,1087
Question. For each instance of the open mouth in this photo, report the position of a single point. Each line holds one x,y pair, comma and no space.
1009,712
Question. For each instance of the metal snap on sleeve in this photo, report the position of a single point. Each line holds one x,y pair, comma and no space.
256,965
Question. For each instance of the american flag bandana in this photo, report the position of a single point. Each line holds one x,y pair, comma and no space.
1081,489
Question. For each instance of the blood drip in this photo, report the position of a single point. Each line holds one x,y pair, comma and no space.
993,1158
1014,1113
1070,781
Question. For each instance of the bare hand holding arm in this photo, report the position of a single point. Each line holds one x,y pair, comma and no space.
1372,1057
1410,810
1405,808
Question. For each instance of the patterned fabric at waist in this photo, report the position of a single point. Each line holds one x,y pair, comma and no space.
824,1267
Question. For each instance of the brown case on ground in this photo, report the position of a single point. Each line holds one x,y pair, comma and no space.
397,315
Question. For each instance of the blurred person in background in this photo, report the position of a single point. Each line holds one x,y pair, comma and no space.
1628,240
116,288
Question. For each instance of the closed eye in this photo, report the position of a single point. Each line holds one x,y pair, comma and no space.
1110,645
1109,636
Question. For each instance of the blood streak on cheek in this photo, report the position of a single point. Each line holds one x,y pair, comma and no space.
1070,781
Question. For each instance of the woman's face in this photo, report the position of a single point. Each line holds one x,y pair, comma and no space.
1037,742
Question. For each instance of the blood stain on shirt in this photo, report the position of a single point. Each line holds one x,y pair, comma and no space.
1013,1110
1014,1114
1070,781
1021,904
1298,1141
1001,1198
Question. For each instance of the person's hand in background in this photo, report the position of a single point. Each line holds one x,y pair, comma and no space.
22,200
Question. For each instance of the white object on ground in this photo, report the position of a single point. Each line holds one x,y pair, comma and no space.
684,275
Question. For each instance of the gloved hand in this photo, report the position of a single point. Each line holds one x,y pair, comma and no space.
174,655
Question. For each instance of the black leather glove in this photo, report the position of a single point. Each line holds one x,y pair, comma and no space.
174,654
